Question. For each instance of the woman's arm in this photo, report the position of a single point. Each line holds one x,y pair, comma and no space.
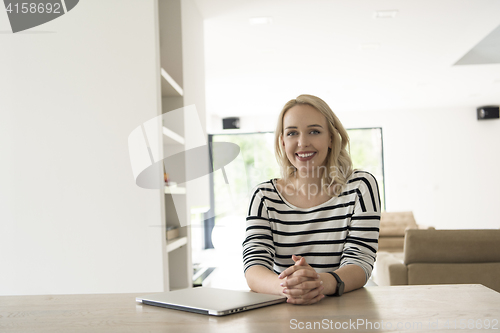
361,244
353,276
262,280
258,247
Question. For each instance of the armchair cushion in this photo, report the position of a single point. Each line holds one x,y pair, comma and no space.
443,257
452,246
486,274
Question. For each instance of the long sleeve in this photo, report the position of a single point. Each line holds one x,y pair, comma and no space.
342,231
258,247
361,244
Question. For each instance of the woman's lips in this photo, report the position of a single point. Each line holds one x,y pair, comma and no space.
305,156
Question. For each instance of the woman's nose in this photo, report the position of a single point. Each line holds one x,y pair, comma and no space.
303,141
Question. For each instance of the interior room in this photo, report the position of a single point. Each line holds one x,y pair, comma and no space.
414,69
77,91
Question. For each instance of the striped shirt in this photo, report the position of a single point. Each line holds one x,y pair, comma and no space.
342,231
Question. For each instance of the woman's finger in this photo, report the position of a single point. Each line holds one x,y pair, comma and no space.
312,297
315,299
304,272
287,272
303,293
295,293
301,264
294,280
304,285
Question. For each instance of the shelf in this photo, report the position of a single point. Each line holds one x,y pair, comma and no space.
176,243
175,190
170,88
171,137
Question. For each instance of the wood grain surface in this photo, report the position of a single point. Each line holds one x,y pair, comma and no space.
413,308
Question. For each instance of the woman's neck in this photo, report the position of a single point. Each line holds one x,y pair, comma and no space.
309,184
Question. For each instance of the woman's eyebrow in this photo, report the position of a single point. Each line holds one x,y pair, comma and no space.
315,125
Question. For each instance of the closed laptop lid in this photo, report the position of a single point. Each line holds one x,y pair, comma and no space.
212,301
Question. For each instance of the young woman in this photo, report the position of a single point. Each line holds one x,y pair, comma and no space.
314,232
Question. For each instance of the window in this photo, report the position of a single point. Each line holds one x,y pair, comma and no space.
256,163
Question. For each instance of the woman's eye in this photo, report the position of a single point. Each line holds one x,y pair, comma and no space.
314,132
291,133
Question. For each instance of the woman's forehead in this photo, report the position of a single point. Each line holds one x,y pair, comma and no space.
303,115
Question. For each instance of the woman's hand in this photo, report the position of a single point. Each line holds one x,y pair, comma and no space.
302,285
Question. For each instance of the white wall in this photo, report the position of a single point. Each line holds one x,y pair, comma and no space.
442,164
71,91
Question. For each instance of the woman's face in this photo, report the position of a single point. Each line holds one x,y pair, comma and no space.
306,138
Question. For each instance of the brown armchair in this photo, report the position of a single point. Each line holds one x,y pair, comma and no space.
443,257
392,230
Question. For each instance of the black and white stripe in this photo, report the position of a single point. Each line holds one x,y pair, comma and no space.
339,232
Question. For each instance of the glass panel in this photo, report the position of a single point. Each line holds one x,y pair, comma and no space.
259,164
367,154
256,164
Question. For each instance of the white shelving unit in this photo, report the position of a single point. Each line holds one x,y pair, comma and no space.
177,250
176,243
181,64
172,138
176,215
177,261
169,87
175,190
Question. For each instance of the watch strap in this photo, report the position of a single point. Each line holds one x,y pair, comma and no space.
339,282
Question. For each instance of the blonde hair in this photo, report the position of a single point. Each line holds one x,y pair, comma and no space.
338,161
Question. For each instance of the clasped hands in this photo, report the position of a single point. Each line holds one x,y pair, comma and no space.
301,283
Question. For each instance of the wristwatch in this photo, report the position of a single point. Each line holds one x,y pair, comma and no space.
340,285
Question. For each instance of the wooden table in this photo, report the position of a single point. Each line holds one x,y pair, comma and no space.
414,308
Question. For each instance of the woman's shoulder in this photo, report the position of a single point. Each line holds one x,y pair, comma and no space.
264,192
361,174
359,177
267,186
365,184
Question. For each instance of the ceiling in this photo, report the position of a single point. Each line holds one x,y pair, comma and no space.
338,51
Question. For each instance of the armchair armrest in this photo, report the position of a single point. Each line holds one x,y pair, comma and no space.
390,271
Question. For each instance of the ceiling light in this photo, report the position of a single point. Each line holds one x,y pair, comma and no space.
260,20
381,14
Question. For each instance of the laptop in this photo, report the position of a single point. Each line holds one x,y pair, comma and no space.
210,301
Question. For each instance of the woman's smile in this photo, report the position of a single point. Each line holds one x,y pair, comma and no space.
305,156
